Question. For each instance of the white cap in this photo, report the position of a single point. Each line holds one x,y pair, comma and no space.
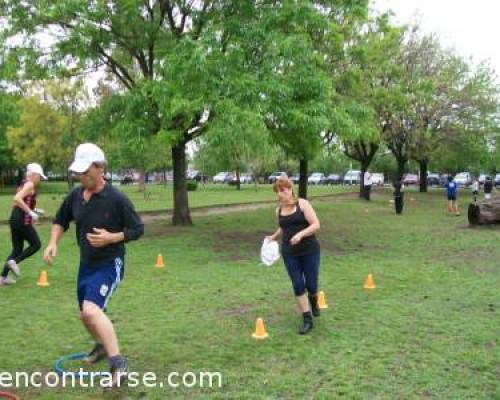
85,155
35,168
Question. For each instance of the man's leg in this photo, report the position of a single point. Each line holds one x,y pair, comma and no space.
96,285
100,327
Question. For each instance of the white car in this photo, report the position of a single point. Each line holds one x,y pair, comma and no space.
316,178
377,179
272,178
463,179
222,177
352,177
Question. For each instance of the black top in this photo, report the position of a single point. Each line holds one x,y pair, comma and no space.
109,209
488,186
291,225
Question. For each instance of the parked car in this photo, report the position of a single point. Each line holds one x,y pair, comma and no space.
244,178
433,180
410,179
352,177
197,176
222,177
377,179
333,179
272,178
443,179
463,179
295,179
496,181
482,178
127,180
316,178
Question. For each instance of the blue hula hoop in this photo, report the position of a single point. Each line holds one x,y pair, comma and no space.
59,367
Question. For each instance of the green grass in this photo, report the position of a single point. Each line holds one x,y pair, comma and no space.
159,197
429,330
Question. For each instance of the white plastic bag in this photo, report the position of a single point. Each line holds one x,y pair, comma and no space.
269,252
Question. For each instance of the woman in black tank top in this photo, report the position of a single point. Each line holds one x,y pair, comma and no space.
21,220
300,249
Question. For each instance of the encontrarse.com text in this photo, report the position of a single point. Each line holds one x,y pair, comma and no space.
103,379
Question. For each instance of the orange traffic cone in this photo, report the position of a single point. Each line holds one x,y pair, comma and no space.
159,261
322,300
43,280
260,330
369,284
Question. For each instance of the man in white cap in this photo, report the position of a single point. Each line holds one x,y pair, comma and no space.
105,219
21,220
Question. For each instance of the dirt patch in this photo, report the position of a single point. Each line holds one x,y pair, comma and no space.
160,228
241,310
238,245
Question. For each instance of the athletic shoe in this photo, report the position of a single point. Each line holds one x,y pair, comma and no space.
97,354
12,265
119,372
7,281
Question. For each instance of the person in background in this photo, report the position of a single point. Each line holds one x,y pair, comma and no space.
451,193
23,216
367,182
488,188
475,190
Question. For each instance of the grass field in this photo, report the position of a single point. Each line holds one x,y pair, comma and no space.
429,330
159,197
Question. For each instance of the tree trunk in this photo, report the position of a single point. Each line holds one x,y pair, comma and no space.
181,208
484,212
303,179
142,181
423,174
238,183
401,168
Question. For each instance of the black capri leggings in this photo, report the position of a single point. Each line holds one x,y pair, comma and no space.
303,271
19,234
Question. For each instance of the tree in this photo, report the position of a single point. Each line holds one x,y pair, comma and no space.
453,103
8,118
39,136
297,94
173,58
236,138
360,78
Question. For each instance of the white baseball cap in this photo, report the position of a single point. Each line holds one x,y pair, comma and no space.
85,155
36,168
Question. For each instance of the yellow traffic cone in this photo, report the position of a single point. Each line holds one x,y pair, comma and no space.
43,279
260,330
321,300
159,261
369,283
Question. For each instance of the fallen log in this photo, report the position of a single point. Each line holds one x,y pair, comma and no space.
484,212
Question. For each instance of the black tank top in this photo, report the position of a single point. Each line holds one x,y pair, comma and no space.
291,225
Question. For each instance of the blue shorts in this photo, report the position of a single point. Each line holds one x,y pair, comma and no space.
97,282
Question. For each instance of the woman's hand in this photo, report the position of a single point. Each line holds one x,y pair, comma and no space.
296,239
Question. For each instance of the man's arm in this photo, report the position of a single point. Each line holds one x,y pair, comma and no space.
60,225
51,249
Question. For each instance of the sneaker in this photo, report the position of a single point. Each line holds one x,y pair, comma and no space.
119,372
97,354
12,265
7,281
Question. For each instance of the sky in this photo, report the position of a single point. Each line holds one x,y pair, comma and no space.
471,28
